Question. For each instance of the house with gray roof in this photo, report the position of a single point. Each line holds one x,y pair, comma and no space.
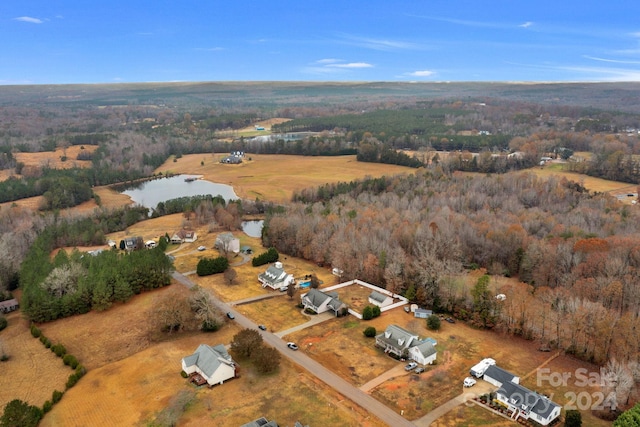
380,299
275,277
396,340
214,364
498,376
527,404
261,422
320,302
423,352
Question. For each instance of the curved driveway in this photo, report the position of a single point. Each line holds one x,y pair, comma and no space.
349,391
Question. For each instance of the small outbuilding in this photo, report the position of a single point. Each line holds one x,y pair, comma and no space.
422,313
380,299
9,305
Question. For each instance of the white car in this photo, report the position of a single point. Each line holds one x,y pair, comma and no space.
202,248
410,366
469,382
292,346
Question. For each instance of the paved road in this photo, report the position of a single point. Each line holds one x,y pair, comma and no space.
349,391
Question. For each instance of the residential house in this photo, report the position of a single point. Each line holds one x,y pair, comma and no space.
214,364
380,299
228,243
132,243
320,302
498,376
396,340
9,305
527,404
422,313
275,277
261,422
184,236
423,353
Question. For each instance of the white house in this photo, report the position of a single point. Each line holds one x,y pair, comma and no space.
184,236
213,363
320,302
380,299
275,277
527,404
228,243
396,340
498,376
424,353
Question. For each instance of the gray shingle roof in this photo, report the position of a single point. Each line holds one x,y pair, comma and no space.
499,374
377,296
208,358
397,337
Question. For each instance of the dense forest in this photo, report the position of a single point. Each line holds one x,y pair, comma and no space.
577,254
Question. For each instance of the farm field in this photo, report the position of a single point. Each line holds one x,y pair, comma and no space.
33,371
275,177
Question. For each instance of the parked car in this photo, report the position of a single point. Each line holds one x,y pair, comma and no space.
407,309
202,248
450,320
469,382
262,327
410,366
230,315
292,346
419,370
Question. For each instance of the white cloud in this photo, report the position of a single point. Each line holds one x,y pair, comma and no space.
526,24
616,61
351,65
422,73
29,19
377,44
328,61
209,49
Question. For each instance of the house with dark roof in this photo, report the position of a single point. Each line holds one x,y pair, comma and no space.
320,302
261,422
184,236
275,277
498,376
213,364
132,243
9,305
527,404
380,299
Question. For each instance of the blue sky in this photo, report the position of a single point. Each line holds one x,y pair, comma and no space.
72,41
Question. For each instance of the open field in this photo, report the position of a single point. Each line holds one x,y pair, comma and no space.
53,159
275,177
138,376
32,372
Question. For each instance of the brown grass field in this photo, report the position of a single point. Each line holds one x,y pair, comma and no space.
137,374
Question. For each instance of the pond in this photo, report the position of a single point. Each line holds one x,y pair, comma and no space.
253,228
150,193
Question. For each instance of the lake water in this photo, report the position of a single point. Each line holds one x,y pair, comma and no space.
150,193
253,228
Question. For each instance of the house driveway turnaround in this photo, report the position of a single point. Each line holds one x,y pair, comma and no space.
357,396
